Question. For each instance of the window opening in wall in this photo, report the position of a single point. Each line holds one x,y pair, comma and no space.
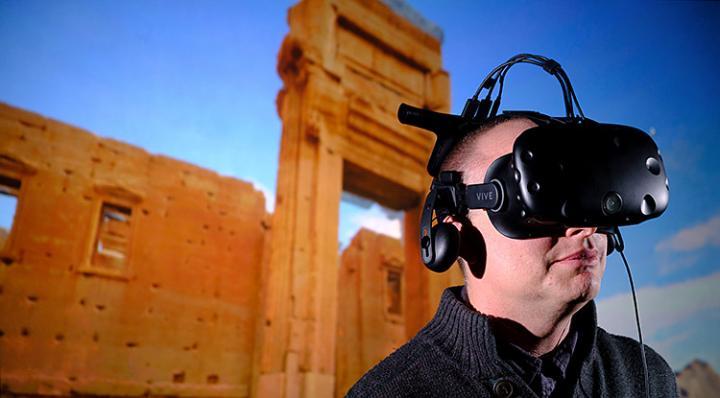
371,297
113,237
357,212
9,192
393,293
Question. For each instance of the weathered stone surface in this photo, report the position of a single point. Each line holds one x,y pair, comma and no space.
371,305
166,307
346,66
134,274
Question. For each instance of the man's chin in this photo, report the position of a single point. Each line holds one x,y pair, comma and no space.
583,288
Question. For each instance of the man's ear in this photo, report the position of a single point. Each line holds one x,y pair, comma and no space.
472,244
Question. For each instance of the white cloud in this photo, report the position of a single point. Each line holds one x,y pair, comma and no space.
666,344
378,220
355,215
693,238
679,321
269,195
660,307
673,263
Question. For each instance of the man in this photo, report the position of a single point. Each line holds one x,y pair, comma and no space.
524,324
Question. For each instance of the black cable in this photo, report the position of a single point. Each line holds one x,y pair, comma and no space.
489,76
501,73
527,58
569,111
496,103
505,70
572,93
637,315
498,75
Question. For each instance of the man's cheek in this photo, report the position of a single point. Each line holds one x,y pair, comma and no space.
601,241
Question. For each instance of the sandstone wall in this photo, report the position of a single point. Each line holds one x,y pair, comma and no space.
346,66
125,273
371,305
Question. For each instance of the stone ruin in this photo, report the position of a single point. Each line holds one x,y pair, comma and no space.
124,272
129,274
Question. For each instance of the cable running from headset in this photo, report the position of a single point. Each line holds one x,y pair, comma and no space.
498,74
502,190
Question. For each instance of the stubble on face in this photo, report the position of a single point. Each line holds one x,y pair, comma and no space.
525,272
580,276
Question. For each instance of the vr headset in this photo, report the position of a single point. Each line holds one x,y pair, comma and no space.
567,172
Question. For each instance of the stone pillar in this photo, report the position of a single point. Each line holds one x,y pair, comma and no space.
346,66
300,294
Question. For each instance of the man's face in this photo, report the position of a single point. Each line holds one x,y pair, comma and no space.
553,270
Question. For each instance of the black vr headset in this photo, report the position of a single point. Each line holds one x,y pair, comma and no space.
566,172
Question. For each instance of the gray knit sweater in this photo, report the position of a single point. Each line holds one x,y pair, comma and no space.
455,355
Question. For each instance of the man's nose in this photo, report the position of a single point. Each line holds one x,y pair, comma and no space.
580,232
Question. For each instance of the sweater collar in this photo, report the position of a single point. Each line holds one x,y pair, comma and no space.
466,336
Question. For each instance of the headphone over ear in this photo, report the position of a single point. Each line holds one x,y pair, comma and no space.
446,241
440,244
545,184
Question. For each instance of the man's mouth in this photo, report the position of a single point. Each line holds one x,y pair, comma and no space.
584,256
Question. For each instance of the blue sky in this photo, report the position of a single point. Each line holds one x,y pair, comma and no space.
196,80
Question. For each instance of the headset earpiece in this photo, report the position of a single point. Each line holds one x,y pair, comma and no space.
440,244
615,240
610,244
446,245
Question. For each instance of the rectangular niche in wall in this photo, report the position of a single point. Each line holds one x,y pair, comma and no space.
112,240
393,292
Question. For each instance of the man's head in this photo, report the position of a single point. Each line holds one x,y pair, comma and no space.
565,269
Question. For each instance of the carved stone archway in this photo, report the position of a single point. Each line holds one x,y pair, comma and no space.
346,65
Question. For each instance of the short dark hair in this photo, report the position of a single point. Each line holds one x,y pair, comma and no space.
458,156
